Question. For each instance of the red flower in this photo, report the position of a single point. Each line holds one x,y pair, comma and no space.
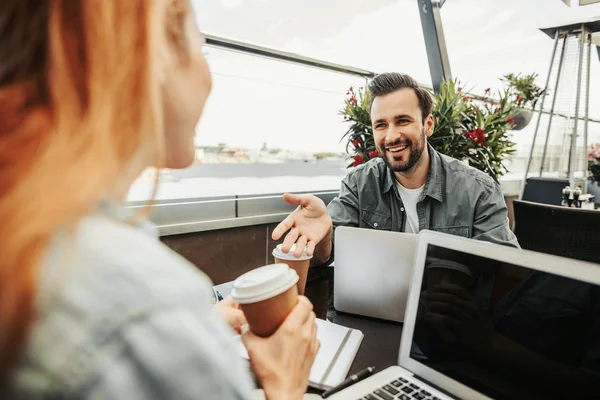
459,90
356,142
510,120
358,159
465,98
477,136
520,99
345,118
488,90
373,154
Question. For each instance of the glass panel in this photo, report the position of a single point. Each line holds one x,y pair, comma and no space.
499,37
257,103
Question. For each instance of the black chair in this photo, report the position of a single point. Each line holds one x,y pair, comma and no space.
544,190
562,231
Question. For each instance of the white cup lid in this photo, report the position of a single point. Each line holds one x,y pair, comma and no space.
278,252
263,283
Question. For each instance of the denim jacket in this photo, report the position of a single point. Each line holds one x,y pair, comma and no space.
457,199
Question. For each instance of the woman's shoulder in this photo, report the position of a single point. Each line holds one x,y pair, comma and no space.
112,258
106,272
100,285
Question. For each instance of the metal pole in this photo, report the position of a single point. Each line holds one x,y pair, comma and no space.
587,106
537,125
560,64
573,153
435,44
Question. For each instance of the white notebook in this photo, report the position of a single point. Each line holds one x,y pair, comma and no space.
339,346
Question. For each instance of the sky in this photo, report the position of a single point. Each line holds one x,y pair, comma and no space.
256,101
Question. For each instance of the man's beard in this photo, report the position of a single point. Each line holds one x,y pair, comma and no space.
415,152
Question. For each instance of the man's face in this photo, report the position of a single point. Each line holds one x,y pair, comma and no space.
398,129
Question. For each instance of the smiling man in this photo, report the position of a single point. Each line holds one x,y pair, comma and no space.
409,188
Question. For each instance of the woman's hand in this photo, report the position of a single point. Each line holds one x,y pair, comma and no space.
230,311
282,362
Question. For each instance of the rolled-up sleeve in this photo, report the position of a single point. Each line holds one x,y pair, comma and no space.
344,209
491,218
171,354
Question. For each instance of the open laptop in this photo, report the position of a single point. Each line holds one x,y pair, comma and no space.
372,272
513,324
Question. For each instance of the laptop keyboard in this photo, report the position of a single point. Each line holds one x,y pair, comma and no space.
400,389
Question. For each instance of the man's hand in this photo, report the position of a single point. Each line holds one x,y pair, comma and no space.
308,224
230,311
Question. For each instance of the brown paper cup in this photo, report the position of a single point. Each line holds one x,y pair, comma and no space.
266,296
298,264
265,317
301,267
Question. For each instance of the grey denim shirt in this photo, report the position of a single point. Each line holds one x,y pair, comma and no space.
457,199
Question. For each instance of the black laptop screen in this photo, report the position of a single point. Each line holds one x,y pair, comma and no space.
507,331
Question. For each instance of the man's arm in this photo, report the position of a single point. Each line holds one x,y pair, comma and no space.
491,219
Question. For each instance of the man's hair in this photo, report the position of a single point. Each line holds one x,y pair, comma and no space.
390,82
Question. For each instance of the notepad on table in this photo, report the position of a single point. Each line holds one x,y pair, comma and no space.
339,346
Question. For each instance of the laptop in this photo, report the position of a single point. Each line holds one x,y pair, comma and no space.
372,272
485,321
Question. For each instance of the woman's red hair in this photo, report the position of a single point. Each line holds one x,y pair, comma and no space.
78,100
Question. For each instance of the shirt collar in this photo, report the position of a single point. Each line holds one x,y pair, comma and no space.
435,177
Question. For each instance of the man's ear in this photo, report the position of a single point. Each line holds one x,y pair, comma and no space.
429,125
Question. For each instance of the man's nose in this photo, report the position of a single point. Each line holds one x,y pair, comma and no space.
393,133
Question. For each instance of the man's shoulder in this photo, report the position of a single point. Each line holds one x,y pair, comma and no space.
458,173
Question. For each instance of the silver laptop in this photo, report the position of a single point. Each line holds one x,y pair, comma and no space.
485,321
372,272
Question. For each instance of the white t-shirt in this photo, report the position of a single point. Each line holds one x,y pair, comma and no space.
410,198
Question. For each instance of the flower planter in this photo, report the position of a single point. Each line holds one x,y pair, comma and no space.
593,188
522,117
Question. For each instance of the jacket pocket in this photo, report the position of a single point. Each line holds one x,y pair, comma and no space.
461,230
374,220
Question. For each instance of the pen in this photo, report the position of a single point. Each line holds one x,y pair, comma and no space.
351,380
219,297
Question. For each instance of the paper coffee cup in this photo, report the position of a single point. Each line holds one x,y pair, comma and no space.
266,296
298,264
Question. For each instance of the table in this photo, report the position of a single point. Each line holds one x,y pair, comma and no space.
380,345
